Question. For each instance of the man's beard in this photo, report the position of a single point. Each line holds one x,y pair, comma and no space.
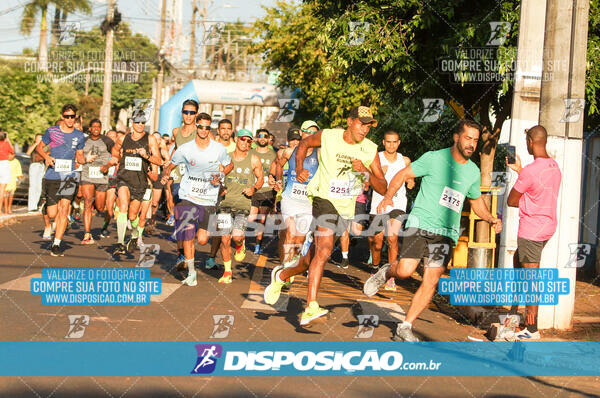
463,153
262,145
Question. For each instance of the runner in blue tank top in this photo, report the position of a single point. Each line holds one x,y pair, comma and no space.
296,209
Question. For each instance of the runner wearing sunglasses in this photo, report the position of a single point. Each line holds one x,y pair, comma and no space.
244,179
134,152
263,201
61,178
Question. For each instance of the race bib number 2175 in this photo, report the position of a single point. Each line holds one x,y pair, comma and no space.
452,199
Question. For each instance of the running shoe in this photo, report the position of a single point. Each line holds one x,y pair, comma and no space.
87,239
226,278
190,280
104,233
312,312
210,263
53,226
47,235
240,252
375,282
257,249
120,249
344,264
180,262
56,251
526,335
273,291
171,221
132,244
76,215
390,285
404,333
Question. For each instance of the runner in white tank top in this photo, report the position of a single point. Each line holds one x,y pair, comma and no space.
391,221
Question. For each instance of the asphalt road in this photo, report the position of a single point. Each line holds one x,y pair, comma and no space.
183,313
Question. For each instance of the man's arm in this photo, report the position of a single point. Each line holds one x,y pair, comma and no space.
154,157
79,157
410,182
116,150
513,198
394,186
479,207
314,141
49,160
258,172
377,177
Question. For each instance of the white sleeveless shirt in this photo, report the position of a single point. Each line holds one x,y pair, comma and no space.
399,198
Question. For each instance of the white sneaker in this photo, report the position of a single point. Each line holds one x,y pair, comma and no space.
526,335
190,280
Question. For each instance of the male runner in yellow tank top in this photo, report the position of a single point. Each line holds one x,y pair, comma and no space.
346,160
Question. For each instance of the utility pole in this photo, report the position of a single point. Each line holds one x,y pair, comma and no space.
562,114
161,60
193,38
108,62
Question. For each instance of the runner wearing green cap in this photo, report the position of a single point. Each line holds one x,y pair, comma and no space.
244,179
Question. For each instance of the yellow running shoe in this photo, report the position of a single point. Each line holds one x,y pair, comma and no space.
226,278
240,252
312,312
273,291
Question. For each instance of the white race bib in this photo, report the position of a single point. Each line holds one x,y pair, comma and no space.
341,189
299,191
94,172
182,169
203,190
224,221
63,165
452,199
133,163
147,195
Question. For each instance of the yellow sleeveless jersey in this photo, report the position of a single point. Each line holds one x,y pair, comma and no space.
335,179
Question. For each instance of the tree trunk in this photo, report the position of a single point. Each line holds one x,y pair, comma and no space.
55,28
489,140
43,48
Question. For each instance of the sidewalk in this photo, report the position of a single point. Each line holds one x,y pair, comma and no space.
18,212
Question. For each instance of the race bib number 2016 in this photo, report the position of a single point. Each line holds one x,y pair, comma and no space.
299,191
452,199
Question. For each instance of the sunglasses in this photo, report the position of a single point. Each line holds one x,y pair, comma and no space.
245,139
69,116
201,127
308,131
262,136
189,112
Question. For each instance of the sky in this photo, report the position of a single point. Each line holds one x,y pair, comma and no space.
142,15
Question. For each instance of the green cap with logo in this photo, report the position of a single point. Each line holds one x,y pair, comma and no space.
244,133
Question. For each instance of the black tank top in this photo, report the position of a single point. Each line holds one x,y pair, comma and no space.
132,167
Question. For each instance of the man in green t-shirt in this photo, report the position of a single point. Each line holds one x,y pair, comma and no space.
449,176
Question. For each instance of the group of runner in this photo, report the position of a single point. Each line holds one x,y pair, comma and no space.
226,187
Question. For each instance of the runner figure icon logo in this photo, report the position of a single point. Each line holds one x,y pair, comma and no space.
222,326
207,358
77,324
578,253
432,110
366,326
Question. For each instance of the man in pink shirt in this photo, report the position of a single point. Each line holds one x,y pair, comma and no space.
535,194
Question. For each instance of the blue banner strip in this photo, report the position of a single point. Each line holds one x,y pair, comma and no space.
247,358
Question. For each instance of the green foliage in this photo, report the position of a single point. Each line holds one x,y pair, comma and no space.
130,52
29,106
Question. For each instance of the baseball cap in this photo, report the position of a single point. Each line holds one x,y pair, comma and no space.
293,133
308,124
364,114
244,133
138,116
